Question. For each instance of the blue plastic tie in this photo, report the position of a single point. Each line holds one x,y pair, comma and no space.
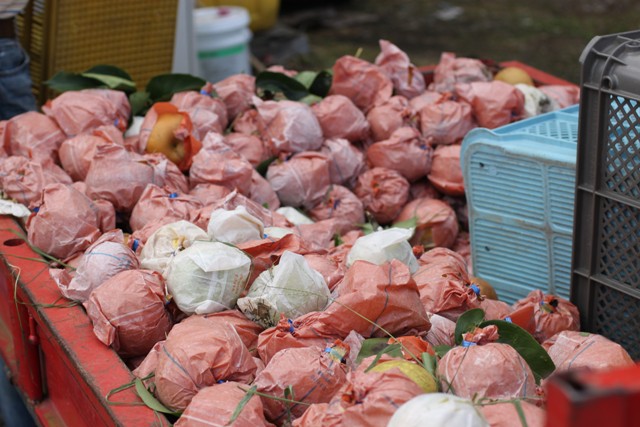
264,236
173,195
466,343
135,244
220,381
508,319
291,328
475,289
116,122
204,92
36,209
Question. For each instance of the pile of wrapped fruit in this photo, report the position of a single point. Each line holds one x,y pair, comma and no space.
263,252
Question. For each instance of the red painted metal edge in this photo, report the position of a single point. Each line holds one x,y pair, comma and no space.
78,370
539,77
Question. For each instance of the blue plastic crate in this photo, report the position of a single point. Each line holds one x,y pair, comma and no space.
520,185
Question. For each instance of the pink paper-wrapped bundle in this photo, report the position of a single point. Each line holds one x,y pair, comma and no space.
442,331
81,111
167,173
156,203
250,122
23,179
361,81
423,189
291,126
209,193
319,236
485,368
128,312
407,80
581,350
346,162
443,283
452,70
237,93
119,176
330,268
313,374
302,180
447,122
248,146
505,414
385,118
221,166
215,405
495,310
494,103
105,258
207,114
262,192
384,293
339,117
552,314
233,200
366,399
197,353
77,152
426,98
66,222
383,193
406,152
32,135
341,205
436,222
248,330
562,96
446,172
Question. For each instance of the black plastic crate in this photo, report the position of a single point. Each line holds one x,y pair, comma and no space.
605,283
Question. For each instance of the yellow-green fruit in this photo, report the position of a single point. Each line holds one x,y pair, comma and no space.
163,140
485,288
415,372
514,75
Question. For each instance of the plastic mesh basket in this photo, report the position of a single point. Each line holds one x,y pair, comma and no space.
606,265
74,35
520,183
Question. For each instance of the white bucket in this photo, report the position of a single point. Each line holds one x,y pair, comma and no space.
222,41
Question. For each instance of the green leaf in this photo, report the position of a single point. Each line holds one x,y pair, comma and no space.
278,82
109,70
373,346
151,401
310,99
140,103
441,350
113,82
467,322
64,81
321,84
306,78
367,228
264,166
248,395
407,223
394,350
520,411
162,87
531,351
429,363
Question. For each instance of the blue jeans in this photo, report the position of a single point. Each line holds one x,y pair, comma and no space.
15,83
13,411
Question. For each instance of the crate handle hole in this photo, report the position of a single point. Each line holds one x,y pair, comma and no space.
607,82
481,164
487,248
13,242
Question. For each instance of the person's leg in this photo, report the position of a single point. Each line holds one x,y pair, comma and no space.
12,409
16,96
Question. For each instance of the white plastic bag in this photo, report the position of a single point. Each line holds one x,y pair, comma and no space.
384,245
291,288
236,226
207,277
294,216
437,410
167,241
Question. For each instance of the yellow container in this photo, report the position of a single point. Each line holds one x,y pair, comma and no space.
264,13
74,35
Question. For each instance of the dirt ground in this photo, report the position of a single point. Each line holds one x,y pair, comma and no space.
547,34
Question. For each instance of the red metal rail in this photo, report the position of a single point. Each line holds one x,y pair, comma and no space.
55,360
